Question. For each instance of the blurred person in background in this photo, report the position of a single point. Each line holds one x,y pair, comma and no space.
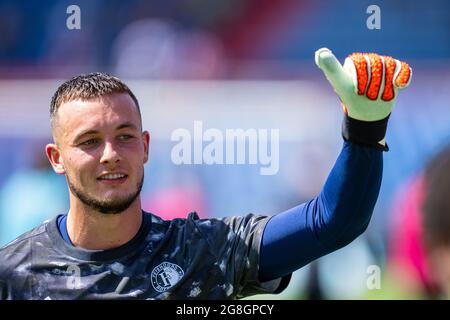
436,219
174,199
174,53
407,268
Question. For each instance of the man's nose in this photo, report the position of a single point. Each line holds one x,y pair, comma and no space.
110,154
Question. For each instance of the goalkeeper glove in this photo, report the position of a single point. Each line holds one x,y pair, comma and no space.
367,85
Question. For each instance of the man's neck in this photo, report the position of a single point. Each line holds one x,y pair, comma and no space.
93,230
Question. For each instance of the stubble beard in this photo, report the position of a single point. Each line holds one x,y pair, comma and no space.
115,206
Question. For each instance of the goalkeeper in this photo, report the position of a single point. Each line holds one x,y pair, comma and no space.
107,247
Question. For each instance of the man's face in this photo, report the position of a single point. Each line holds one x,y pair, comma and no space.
102,150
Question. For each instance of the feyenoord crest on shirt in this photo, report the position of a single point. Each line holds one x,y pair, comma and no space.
165,276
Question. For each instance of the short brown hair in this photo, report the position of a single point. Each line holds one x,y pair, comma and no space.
88,86
436,205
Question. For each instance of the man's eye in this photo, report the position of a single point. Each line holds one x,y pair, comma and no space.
125,137
89,142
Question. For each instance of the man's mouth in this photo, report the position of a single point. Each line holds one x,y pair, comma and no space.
113,178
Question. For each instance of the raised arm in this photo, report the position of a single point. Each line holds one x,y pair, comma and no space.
367,86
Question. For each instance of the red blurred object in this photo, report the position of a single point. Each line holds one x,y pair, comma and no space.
407,252
175,202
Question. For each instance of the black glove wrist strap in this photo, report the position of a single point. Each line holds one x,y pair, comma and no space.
367,133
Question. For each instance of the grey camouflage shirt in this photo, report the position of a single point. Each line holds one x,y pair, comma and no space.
188,258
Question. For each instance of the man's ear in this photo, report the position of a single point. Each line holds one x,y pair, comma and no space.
54,156
146,138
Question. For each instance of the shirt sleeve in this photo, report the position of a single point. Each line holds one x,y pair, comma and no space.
236,242
339,214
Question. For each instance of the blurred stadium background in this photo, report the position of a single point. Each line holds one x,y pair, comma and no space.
234,64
